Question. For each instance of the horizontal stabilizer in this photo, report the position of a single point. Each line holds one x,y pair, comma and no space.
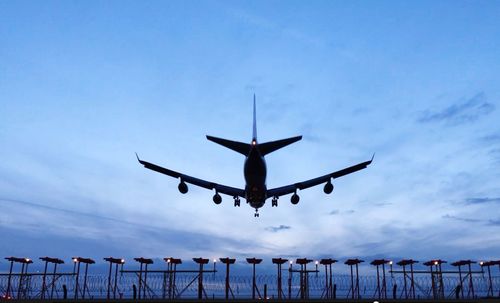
240,147
269,147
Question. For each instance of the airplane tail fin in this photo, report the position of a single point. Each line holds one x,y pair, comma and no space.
240,147
254,135
264,148
269,147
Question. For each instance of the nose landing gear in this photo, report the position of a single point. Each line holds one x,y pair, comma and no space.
256,215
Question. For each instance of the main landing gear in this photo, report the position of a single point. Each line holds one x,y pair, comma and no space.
236,202
274,202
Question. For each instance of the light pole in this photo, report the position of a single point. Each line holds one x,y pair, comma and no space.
228,262
254,262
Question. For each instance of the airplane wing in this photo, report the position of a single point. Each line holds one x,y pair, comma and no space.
231,191
288,189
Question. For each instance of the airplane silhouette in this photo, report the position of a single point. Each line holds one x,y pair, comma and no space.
255,171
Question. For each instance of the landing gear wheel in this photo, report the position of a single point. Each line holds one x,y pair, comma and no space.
274,202
237,203
256,215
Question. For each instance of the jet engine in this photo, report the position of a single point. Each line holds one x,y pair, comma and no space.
328,188
217,198
183,188
295,199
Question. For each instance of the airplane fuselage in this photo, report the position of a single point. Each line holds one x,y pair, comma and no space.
255,172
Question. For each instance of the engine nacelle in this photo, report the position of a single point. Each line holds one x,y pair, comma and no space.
183,188
217,198
328,188
295,199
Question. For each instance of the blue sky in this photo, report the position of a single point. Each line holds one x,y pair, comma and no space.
84,85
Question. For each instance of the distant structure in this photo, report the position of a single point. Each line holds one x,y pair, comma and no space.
431,281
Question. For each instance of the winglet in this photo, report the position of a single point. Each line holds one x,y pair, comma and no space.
372,157
137,158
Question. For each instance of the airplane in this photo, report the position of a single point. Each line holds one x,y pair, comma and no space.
255,192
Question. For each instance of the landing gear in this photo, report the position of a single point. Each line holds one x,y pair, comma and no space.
256,215
274,202
236,202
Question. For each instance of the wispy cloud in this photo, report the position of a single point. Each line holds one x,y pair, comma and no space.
106,232
490,222
492,142
493,138
470,220
470,201
275,229
494,222
271,26
460,112
338,212
59,209
370,246
381,204
495,153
